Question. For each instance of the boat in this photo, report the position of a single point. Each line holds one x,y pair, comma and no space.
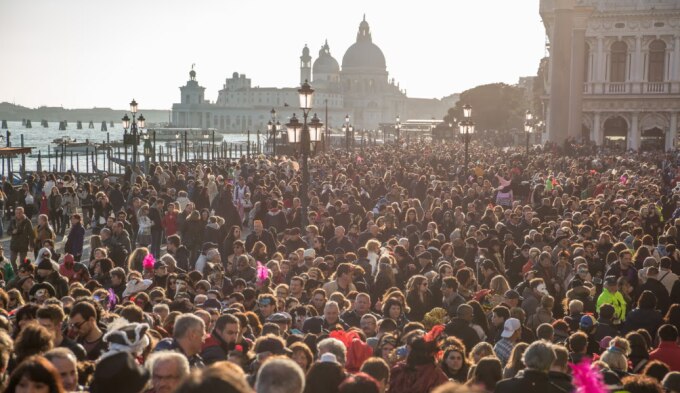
63,139
72,146
192,134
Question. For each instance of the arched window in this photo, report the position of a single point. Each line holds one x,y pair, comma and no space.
617,62
657,61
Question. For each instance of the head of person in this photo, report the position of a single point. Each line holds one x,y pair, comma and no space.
359,383
539,356
671,382
35,374
167,369
378,369
82,319
51,317
67,366
331,312
280,375
334,346
227,327
189,331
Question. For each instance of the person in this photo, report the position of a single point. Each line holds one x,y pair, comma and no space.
51,317
460,327
82,323
35,374
217,378
671,382
379,370
281,375
222,339
119,373
67,366
611,295
515,364
538,358
21,231
668,350
75,238
487,373
187,338
559,370
455,364
512,330
168,369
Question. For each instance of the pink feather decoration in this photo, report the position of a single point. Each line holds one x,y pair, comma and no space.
148,262
587,378
262,273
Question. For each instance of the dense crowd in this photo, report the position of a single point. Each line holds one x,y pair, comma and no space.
409,273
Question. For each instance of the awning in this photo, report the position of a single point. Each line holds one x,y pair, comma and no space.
14,151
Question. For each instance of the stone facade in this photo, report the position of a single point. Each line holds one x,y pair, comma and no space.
614,74
361,89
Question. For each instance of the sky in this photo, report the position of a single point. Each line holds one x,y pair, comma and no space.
97,53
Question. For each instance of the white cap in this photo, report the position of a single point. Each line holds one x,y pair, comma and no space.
510,327
309,253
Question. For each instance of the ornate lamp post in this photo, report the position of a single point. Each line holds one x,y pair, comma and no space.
308,133
348,130
136,127
273,126
397,127
467,128
528,127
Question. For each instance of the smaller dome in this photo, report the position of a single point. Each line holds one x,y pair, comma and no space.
305,51
325,63
192,74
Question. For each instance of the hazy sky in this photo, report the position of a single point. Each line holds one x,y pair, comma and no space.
87,53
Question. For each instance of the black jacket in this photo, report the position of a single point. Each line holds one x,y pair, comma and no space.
530,381
461,328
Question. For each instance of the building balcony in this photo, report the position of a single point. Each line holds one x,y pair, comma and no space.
631,88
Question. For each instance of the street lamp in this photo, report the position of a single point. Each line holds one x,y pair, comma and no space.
177,135
148,152
348,130
397,126
135,126
306,94
467,128
273,126
528,127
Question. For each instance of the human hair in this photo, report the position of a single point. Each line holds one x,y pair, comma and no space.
480,351
224,320
359,383
578,342
616,355
301,347
647,300
185,323
377,368
561,356
515,363
220,377
640,384
36,369
6,349
84,309
334,346
324,377
539,355
668,333
488,372
279,375
33,339
52,312
168,356
545,331
656,369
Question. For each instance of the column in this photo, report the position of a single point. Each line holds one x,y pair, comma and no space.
577,74
560,53
600,66
672,133
638,69
634,133
597,130
676,65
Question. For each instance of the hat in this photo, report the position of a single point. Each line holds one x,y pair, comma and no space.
309,253
425,255
610,280
512,294
280,317
273,345
125,336
68,258
211,303
328,358
510,327
45,264
604,343
508,236
671,382
44,252
587,322
43,285
134,286
119,373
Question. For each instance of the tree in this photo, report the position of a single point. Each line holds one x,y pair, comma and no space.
495,106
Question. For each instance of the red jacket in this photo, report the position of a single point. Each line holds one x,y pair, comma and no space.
669,353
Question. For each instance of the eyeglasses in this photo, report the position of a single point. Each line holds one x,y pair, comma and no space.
76,326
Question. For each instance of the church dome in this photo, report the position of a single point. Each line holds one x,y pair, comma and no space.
325,63
364,53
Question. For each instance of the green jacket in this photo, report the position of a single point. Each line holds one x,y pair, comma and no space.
615,299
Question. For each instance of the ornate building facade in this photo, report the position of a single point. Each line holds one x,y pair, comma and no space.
361,88
614,71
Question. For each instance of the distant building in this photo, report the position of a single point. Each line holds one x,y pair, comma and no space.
614,72
361,88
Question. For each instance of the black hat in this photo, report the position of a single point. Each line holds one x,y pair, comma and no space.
512,294
208,246
45,264
425,255
610,280
526,246
118,373
159,264
43,285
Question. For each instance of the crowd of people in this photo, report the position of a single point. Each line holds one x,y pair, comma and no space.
408,272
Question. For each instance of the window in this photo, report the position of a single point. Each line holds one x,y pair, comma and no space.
617,62
657,57
586,70
186,99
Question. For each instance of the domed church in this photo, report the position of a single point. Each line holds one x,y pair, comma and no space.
361,88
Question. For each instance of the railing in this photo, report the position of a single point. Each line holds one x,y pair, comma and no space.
641,88
617,88
656,87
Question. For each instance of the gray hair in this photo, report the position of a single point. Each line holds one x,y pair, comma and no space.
162,306
185,323
334,346
539,356
60,353
331,303
168,356
280,375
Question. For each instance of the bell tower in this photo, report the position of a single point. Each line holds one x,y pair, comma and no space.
305,65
